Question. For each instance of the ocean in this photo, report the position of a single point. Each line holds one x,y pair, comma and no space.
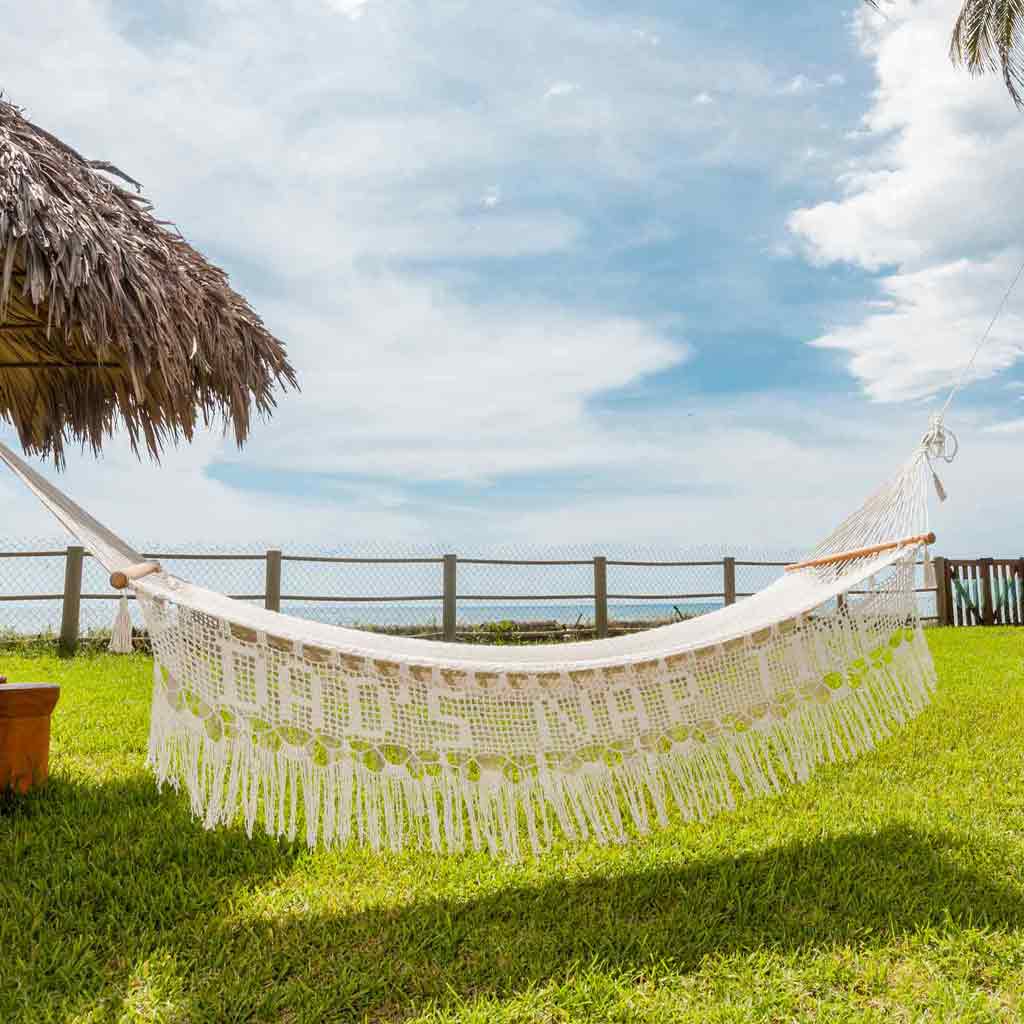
35,617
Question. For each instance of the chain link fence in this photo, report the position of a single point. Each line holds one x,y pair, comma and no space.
524,593
40,575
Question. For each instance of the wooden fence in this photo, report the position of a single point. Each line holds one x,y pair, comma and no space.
72,597
980,591
969,592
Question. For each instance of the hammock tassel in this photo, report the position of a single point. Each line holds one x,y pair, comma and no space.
939,443
929,571
121,631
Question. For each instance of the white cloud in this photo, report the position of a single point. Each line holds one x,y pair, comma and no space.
702,99
178,502
352,9
1007,427
722,480
920,343
432,388
799,84
327,160
327,163
928,199
710,478
561,89
643,36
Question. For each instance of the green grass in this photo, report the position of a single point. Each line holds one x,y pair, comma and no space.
889,889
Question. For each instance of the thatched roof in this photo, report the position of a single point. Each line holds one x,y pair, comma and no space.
108,318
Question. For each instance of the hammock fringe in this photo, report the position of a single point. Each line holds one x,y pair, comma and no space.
228,779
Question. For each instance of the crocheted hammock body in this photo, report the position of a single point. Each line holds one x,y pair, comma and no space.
347,735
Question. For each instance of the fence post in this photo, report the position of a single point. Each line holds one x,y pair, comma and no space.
987,615
600,596
729,574
272,589
449,599
943,592
70,612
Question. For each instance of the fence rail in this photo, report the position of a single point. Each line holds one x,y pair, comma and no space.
970,592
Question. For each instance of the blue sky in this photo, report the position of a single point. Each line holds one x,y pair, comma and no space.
565,272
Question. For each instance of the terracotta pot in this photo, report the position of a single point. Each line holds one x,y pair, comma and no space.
25,710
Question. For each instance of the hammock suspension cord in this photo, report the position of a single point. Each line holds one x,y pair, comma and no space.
962,378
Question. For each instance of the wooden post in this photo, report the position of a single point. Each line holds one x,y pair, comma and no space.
987,613
450,597
943,592
272,590
959,612
600,596
71,611
729,575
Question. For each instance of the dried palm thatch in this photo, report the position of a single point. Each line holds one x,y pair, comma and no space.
108,317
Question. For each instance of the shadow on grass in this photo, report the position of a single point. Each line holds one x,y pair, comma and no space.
127,875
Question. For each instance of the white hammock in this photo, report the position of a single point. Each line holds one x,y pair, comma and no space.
386,740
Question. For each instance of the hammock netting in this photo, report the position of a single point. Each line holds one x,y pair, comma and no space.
346,735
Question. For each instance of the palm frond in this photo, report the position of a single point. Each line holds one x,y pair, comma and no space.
989,36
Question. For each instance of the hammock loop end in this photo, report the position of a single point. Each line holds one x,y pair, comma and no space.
119,580
936,445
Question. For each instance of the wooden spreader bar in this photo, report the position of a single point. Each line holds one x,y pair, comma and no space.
120,580
875,549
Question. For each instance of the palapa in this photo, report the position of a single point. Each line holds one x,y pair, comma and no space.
108,316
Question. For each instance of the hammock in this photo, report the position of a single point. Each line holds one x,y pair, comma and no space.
390,741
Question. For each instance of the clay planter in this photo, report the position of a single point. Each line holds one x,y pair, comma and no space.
25,710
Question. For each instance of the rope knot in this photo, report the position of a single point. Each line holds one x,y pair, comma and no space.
937,441
936,445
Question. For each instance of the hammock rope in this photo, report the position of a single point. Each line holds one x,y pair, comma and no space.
969,365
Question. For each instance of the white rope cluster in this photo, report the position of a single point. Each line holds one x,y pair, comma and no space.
940,443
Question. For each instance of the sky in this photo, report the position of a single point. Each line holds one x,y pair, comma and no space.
562,273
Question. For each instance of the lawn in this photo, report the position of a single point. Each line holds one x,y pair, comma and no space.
888,889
